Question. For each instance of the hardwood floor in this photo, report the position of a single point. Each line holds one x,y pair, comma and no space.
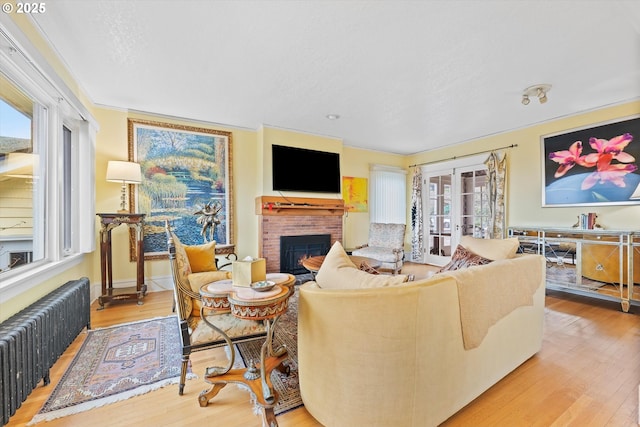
587,374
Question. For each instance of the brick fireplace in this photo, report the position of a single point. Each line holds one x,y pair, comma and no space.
295,216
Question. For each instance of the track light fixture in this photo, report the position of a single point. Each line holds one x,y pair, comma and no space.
538,90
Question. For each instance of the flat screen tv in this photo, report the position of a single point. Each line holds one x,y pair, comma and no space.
300,169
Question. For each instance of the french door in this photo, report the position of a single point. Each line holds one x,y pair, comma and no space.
456,203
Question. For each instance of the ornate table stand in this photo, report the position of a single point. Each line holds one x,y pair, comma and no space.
109,221
249,304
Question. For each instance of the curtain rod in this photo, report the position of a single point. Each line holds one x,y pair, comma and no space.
464,155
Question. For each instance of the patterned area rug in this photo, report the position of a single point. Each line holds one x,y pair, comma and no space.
286,333
116,363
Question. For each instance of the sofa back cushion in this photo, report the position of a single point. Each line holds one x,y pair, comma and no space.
338,272
493,249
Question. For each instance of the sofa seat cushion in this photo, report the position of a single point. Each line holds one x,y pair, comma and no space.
338,272
493,249
231,325
378,253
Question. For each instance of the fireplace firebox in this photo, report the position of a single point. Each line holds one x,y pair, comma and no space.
293,249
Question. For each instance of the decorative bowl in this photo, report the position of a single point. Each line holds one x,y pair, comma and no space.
263,286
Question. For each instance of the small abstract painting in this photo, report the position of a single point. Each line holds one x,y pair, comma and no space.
355,193
595,166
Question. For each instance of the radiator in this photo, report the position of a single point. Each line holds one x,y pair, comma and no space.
32,340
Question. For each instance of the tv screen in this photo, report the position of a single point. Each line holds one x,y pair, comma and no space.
300,169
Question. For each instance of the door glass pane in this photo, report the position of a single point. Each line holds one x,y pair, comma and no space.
17,165
474,203
440,193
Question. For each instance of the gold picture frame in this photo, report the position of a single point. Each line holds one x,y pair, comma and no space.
184,169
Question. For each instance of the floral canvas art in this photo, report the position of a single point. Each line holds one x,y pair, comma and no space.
594,166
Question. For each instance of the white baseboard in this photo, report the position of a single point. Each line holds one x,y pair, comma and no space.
154,284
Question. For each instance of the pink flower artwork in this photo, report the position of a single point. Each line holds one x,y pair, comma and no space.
606,151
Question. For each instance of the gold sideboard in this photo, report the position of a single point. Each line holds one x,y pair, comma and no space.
597,263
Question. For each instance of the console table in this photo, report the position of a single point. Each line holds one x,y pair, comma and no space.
597,263
108,222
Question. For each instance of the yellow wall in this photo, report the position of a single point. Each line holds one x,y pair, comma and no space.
356,162
273,136
525,172
252,178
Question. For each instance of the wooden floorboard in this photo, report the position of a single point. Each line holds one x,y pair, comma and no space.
587,374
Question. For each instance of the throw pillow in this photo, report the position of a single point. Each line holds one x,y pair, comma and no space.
493,249
364,266
463,258
202,257
338,272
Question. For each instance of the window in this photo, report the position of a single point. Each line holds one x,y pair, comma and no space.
18,187
47,141
387,194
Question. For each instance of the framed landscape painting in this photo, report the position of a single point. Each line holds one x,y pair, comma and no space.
186,171
595,166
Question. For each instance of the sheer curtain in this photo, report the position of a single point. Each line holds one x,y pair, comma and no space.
497,170
417,226
387,194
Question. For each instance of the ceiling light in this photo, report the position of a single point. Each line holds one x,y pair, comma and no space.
333,116
538,90
542,96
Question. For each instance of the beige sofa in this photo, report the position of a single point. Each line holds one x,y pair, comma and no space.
416,353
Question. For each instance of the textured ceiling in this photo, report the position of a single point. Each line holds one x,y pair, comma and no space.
404,76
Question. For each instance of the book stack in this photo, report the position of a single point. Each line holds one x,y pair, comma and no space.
588,221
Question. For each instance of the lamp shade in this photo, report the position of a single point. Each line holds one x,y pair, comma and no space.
124,172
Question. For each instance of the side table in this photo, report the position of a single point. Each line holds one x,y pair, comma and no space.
108,222
246,303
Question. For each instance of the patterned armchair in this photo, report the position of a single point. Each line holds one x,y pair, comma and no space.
191,268
386,244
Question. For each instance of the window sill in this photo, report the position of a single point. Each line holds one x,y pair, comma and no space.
33,277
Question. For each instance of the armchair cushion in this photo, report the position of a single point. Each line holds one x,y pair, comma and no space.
386,235
338,272
386,244
494,249
233,326
202,257
384,255
197,280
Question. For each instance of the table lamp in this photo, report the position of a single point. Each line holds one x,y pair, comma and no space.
126,173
